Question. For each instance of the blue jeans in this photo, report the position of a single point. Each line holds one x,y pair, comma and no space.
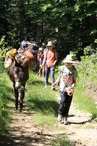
50,70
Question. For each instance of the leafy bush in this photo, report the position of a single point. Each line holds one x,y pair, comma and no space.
3,50
87,76
4,94
88,69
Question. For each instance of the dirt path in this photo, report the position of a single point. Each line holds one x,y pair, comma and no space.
24,132
82,129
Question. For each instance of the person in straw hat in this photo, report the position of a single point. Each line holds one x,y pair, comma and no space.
67,81
50,59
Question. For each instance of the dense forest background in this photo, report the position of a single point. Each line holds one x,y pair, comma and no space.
70,24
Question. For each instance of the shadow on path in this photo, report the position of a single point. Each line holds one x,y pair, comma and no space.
82,122
23,132
22,140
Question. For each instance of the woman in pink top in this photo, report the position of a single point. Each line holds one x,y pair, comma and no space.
50,59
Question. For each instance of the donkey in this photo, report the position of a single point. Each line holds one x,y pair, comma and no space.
19,74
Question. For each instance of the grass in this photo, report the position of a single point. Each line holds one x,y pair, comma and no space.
61,141
84,102
4,99
44,120
42,100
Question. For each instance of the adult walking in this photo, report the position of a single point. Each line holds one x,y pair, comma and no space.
50,59
67,79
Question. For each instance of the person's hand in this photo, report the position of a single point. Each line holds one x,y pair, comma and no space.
69,91
53,64
54,84
42,66
72,85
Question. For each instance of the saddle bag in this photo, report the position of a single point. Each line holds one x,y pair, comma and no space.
11,52
7,62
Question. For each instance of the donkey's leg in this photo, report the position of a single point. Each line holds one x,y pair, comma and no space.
16,98
21,97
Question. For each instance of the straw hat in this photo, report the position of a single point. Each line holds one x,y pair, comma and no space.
69,59
49,44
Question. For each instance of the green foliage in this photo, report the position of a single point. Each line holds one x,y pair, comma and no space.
87,69
61,141
87,76
70,24
4,98
3,50
89,50
84,102
95,41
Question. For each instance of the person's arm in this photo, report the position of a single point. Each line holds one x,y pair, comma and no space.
57,81
59,77
44,59
74,82
74,79
56,58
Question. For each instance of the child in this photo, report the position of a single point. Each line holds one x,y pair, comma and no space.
67,79
40,60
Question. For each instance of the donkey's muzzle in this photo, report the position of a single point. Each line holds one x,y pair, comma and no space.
17,84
